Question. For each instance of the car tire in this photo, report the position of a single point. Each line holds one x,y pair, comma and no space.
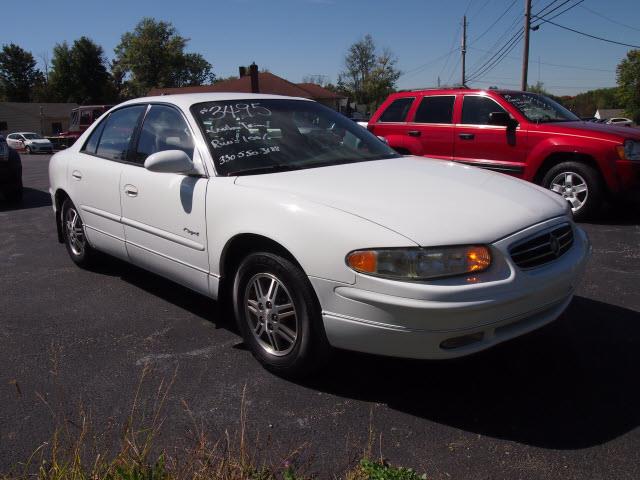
74,236
580,185
279,315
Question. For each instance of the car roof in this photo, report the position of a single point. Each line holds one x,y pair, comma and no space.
185,100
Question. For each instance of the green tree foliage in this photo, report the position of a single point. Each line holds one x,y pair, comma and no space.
153,56
18,74
79,74
628,76
369,76
585,104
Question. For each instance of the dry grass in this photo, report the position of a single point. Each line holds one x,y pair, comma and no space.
74,451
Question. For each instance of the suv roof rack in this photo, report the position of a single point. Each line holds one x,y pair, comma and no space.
459,87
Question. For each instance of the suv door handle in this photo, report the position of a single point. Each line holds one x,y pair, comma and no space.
466,136
131,190
76,174
413,133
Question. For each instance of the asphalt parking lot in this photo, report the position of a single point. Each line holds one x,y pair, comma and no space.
563,402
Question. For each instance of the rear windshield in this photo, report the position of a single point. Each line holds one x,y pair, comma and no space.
251,137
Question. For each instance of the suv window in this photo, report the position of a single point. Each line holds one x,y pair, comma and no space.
476,110
118,131
164,128
397,111
437,109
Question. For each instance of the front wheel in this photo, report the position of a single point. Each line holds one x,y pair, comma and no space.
74,235
279,316
579,184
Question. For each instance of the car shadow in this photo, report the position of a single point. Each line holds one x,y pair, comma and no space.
32,198
570,385
573,384
622,212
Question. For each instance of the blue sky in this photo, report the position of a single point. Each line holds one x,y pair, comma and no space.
294,38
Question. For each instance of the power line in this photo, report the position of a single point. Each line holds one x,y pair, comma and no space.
589,35
419,68
495,22
610,19
546,15
575,67
497,58
552,10
513,27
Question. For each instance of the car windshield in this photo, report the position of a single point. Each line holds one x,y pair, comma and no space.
538,108
32,136
250,137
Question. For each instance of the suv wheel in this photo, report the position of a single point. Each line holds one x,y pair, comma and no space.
279,316
578,184
74,237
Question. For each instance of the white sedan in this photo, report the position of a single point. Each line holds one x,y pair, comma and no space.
319,234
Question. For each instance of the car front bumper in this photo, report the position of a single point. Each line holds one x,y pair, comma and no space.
452,317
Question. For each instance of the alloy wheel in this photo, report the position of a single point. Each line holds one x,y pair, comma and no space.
75,231
573,188
271,314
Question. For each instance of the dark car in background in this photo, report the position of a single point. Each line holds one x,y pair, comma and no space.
10,172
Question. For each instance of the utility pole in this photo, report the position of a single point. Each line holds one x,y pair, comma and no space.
464,48
525,53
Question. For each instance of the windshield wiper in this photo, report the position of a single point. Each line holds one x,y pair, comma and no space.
264,169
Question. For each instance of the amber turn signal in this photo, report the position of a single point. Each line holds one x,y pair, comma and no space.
478,259
365,261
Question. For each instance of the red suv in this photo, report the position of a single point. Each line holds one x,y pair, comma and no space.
520,133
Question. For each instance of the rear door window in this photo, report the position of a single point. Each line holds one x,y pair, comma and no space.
397,111
437,109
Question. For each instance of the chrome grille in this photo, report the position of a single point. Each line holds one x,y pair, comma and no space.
542,248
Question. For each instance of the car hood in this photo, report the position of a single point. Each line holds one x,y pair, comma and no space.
595,129
431,202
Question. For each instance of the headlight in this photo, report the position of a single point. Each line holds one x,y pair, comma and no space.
420,263
629,151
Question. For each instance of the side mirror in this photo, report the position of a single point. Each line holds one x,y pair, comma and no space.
169,161
502,119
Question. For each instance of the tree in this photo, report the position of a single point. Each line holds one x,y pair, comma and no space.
628,76
18,73
369,77
153,56
79,73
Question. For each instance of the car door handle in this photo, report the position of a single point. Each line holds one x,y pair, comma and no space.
466,136
76,174
131,190
413,133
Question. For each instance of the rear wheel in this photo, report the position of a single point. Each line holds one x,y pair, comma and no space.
74,235
279,316
579,184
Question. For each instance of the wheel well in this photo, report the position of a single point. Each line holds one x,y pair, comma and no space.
242,245
402,151
560,157
60,197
